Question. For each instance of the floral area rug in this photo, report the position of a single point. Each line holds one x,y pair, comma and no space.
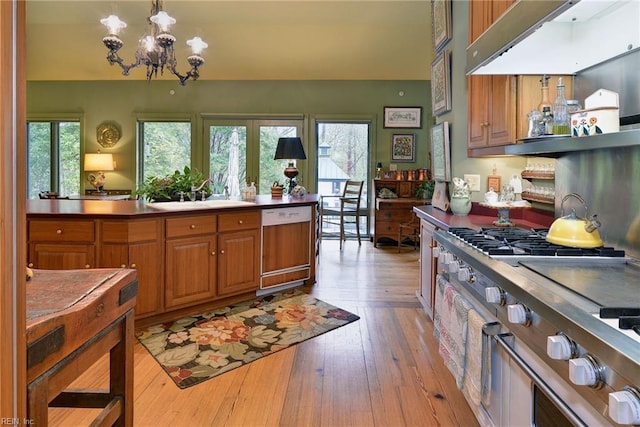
196,348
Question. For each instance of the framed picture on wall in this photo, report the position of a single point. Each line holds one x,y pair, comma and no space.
403,147
403,117
440,23
441,152
441,83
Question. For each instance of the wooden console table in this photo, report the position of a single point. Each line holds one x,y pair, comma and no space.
388,214
74,317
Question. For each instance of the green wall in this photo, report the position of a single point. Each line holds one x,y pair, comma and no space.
457,117
123,101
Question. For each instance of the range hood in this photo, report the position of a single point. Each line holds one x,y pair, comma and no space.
556,37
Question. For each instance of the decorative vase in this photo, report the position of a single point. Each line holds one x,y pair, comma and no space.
460,205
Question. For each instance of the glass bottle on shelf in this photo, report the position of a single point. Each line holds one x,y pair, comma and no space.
545,101
560,112
546,124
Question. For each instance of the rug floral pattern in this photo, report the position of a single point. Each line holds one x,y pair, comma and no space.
196,348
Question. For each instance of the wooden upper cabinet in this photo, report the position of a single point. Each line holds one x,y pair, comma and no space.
491,99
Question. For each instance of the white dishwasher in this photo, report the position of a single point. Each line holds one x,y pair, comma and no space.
287,247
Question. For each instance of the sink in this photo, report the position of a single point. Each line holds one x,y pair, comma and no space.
206,204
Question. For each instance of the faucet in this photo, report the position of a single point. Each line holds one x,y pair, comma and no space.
195,189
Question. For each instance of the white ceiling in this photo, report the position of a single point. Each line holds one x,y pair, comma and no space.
248,40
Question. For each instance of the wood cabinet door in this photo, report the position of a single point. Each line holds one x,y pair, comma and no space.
478,110
146,259
502,107
55,256
238,262
190,270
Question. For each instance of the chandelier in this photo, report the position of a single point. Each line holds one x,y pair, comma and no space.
155,50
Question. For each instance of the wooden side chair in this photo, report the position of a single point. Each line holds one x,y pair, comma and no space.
409,231
348,211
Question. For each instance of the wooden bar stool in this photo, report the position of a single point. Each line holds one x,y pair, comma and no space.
409,230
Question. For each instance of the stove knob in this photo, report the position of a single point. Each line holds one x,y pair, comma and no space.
435,251
493,295
560,347
465,274
585,371
624,406
518,314
454,266
446,257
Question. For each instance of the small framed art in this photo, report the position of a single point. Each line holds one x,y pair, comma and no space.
441,83
403,117
440,152
440,23
403,147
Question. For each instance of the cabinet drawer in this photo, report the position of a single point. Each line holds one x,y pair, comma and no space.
129,231
61,231
190,226
385,227
239,221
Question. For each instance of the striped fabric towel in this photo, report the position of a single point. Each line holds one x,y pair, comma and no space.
450,327
472,379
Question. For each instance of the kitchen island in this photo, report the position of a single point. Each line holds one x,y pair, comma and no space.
186,259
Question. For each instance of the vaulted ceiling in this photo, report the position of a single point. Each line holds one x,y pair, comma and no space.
248,40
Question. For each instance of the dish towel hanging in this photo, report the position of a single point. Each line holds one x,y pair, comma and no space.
450,322
472,379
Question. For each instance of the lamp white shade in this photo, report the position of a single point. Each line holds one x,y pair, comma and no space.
98,162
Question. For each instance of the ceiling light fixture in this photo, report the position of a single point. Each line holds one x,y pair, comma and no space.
155,49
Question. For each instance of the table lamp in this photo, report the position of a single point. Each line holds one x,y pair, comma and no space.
98,163
291,149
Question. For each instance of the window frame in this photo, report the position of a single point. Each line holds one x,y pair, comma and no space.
195,160
55,146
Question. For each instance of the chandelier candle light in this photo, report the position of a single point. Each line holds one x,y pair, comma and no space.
155,50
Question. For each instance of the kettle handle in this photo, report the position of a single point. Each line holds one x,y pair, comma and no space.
577,196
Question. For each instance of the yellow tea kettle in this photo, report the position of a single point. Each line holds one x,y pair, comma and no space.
570,230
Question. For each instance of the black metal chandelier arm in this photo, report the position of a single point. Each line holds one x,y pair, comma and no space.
114,58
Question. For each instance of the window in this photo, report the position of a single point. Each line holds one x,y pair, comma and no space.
164,147
53,157
241,151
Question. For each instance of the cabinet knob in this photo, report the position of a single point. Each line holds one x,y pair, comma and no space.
222,251
134,266
213,252
87,266
240,221
484,124
192,226
30,265
59,231
123,266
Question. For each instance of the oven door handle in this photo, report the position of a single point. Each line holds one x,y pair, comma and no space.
500,339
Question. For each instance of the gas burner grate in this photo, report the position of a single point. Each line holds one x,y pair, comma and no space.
519,241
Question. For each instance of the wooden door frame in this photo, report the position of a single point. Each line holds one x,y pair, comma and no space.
13,389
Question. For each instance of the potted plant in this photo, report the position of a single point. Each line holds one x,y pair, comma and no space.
425,190
171,187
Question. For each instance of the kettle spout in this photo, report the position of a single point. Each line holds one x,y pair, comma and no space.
592,224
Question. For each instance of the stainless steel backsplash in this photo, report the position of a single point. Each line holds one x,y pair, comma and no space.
608,179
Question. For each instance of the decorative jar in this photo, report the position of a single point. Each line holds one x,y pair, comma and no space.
460,205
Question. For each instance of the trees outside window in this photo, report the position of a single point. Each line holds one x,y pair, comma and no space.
165,147
53,157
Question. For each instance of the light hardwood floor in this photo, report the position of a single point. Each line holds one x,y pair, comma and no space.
382,370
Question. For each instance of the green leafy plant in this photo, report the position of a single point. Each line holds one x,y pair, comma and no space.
425,190
169,187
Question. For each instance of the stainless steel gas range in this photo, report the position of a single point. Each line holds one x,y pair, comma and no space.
542,305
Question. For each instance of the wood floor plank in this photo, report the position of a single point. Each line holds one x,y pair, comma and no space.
383,370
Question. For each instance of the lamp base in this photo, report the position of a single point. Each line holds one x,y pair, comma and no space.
291,172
